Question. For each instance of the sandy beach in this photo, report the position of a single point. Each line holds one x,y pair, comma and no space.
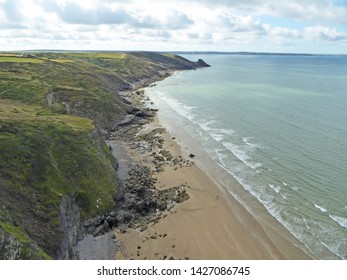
211,224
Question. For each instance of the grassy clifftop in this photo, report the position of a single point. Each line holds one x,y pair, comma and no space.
52,109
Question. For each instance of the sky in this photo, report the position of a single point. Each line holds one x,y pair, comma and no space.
286,26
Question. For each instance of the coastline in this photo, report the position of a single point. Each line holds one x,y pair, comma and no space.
211,224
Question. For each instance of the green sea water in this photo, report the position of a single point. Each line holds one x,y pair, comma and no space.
278,124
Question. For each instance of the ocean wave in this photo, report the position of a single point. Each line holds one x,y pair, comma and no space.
183,110
219,134
221,156
241,154
306,224
277,189
340,220
321,208
247,140
207,125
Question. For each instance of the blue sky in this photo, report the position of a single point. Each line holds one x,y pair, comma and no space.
300,26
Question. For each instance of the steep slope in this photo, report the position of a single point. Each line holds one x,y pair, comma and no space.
55,169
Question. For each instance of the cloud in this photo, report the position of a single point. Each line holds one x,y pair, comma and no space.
239,23
323,33
9,25
111,12
172,20
11,10
323,12
313,11
195,24
73,13
282,35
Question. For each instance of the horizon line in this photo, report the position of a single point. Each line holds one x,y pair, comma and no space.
181,52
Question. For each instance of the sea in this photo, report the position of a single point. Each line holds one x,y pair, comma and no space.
278,125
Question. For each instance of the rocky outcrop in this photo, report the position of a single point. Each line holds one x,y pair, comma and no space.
15,245
202,63
140,204
10,247
72,228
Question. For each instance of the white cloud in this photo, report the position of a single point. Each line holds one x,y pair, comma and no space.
314,11
323,33
193,24
107,12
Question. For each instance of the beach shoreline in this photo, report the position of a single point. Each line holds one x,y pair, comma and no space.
211,224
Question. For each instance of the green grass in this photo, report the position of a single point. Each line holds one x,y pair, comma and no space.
56,158
109,55
62,60
32,92
13,110
17,232
27,251
170,55
19,59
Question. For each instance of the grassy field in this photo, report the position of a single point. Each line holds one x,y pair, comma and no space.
13,59
105,55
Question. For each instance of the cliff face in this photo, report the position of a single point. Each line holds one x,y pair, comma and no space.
55,169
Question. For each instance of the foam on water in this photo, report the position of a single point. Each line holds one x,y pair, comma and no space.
247,140
321,208
242,154
277,189
218,134
340,220
183,110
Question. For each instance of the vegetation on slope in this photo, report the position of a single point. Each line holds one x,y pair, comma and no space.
53,108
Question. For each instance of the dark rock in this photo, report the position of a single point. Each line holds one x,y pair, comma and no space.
112,221
90,222
175,161
155,220
202,63
105,227
72,227
90,229
166,154
128,120
141,207
170,206
191,155
162,205
159,168
143,227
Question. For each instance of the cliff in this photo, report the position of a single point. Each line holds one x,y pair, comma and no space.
56,170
